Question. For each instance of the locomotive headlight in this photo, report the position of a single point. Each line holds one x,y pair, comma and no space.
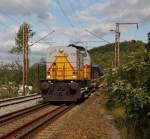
48,76
61,50
74,77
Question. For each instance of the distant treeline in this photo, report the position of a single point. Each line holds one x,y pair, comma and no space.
104,55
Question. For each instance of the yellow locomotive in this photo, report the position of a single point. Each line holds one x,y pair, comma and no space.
68,74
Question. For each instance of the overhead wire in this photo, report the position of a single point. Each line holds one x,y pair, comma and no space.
42,38
80,24
46,42
68,20
64,13
76,17
93,34
73,10
41,22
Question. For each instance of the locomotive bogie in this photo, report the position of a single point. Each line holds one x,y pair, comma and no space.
62,91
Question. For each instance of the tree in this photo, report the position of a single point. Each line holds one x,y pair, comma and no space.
19,40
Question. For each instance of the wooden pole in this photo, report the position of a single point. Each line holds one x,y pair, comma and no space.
25,29
117,41
23,47
117,46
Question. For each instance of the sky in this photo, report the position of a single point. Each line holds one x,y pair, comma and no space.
70,21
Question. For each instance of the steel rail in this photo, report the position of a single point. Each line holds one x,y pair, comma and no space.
16,98
9,116
17,102
31,126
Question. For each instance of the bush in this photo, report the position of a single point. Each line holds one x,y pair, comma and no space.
129,87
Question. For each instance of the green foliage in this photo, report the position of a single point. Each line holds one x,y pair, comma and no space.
129,87
10,73
104,55
11,77
19,40
8,92
37,72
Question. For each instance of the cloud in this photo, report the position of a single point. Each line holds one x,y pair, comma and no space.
7,57
98,17
23,9
101,17
39,48
26,7
114,10
7,39
2,19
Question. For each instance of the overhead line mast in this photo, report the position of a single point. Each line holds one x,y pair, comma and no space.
25,47
117,41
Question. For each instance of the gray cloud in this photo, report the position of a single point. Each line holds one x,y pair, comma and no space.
100,17
116,10
26,7
7,57
22,8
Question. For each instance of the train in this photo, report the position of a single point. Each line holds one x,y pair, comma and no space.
70,76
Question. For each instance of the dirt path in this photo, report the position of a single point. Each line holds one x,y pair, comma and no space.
89,120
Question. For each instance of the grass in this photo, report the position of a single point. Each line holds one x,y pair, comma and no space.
7,91
7,94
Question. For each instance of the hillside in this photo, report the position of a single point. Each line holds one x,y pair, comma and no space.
104,55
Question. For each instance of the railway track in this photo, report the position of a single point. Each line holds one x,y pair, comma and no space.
24,122
17,100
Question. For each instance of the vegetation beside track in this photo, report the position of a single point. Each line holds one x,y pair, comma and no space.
128,87
11,78
129,92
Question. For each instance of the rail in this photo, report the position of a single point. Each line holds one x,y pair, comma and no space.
17,100
5,118
34,124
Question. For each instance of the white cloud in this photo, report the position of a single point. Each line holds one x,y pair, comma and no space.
101,17
22,9
39,48
97,17
7,38
26,7
114,10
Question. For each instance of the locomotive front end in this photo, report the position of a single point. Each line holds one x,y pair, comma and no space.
67,74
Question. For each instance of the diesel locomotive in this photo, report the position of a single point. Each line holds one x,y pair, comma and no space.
69,74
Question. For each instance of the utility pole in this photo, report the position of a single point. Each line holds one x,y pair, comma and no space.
25,30
117,45
117,41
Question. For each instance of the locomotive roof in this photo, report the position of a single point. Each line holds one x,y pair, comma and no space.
81,48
